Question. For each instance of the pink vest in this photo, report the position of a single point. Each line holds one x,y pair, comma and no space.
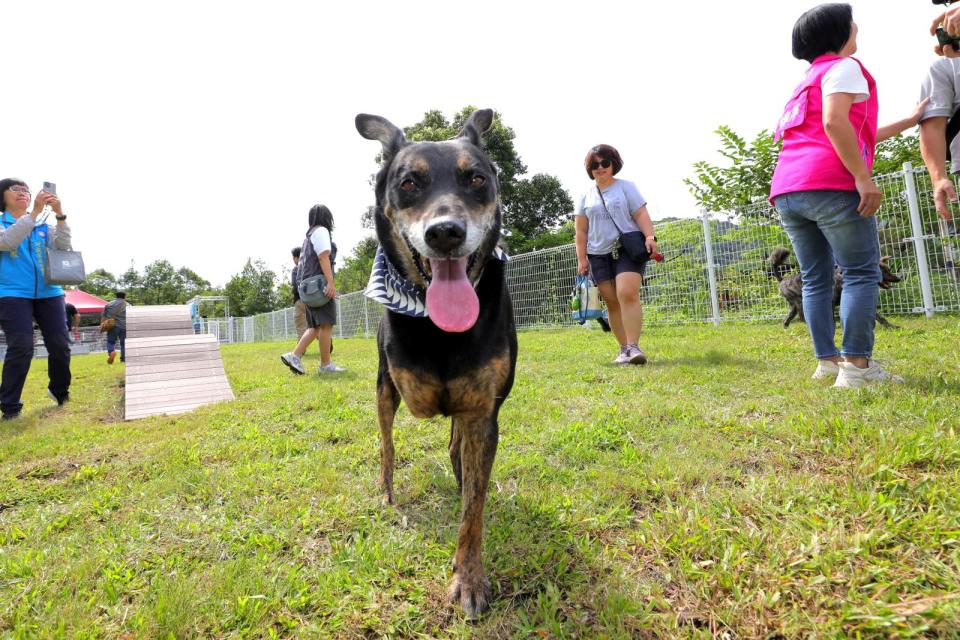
808,161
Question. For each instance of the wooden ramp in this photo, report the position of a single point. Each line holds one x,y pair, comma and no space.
169,369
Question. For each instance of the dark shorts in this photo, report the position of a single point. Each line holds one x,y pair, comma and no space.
606,267
327,314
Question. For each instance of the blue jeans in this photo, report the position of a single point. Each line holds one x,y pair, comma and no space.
824,227
113,336
16,320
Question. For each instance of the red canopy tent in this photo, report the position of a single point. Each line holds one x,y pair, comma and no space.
85,302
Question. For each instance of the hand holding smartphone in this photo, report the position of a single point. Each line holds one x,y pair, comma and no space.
50,187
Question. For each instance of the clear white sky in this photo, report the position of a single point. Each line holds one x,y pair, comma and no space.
202,131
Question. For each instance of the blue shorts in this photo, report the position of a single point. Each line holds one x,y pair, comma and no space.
606,267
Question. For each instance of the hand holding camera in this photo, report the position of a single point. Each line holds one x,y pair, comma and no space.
946,27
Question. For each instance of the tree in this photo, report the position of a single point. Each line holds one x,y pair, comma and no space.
132,283
531,207
355,273
893,152
253,290
100,283
744,182
159,284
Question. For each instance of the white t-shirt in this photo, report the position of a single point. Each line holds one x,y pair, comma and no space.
845,77
622,199
320,238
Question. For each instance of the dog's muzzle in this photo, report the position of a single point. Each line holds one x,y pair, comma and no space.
445,236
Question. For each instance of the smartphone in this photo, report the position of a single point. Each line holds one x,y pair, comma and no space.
50,187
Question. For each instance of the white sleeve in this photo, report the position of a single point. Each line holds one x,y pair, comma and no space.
846,77
321,240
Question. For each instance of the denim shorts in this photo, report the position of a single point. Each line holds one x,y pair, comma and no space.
607,267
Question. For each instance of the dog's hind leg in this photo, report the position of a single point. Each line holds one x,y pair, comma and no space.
790,316
388,399
454,448
886,323
478,447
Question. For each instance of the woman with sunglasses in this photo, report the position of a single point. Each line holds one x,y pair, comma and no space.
824,191
614,206
25,296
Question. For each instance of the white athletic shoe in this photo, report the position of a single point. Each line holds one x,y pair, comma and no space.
293,362
331,368
623,357
826,369
853,377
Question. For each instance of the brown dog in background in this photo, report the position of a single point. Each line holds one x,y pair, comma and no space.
791,287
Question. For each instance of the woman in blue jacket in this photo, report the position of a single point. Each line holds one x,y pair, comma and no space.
25,296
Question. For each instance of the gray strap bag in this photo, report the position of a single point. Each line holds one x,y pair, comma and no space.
64,267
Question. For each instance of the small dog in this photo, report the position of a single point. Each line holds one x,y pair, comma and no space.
447,342
791,287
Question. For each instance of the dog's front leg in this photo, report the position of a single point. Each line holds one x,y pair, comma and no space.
454,448
790,316
478,447
388,399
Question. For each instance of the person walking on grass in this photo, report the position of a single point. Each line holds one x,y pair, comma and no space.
115,312
611,207
317,256
25,296
823,190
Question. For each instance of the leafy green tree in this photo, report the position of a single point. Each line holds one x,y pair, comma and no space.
355,272
159,284
100,283
893,152
531,206
253,290
190,284
744,181
132,283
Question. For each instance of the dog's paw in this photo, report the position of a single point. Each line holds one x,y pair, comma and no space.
388,500
472,590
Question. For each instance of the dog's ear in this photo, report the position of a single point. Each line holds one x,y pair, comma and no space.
377,128
476,125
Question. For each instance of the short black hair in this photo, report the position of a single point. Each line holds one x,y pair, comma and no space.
295,252
5,184
606,152
120,294
320,216
823,29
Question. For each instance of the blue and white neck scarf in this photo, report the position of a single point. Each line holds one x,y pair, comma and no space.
398,294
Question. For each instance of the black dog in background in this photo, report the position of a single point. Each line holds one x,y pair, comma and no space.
791,287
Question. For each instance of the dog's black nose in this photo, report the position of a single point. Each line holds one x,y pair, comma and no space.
445,236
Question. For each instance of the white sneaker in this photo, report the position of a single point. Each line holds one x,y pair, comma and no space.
623,357
331,368
293,362
853,377
635,355
826,369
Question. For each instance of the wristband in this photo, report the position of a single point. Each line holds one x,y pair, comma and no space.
62,217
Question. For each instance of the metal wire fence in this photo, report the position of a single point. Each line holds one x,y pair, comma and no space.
715,270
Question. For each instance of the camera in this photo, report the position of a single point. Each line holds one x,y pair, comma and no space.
942,1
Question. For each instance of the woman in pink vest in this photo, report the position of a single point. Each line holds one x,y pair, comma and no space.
823,189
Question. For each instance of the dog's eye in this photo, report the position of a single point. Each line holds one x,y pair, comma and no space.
408,185
477,181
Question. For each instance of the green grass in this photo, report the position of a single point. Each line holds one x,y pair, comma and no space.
717,489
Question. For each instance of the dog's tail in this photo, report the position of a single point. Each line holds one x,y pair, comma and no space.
777,263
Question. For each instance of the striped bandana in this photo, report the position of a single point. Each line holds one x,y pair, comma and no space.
398,294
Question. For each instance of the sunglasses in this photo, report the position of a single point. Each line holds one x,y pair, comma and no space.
596,165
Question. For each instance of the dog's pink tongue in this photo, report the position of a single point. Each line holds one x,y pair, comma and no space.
452,303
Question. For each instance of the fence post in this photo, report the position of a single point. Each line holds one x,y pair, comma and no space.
919,240
711,268
339,323
366,318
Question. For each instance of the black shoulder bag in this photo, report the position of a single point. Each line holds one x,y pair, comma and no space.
633,243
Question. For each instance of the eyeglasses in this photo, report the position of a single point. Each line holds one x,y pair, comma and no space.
20,189
596,165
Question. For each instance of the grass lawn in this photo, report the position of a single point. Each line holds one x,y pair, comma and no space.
718,490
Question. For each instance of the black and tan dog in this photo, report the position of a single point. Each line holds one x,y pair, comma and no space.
449,346
791,287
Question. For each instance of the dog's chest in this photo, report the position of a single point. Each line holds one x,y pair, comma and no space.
475,391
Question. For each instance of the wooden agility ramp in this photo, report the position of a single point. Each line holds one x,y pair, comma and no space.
169,368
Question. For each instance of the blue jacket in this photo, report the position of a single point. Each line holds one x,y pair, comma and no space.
22,256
